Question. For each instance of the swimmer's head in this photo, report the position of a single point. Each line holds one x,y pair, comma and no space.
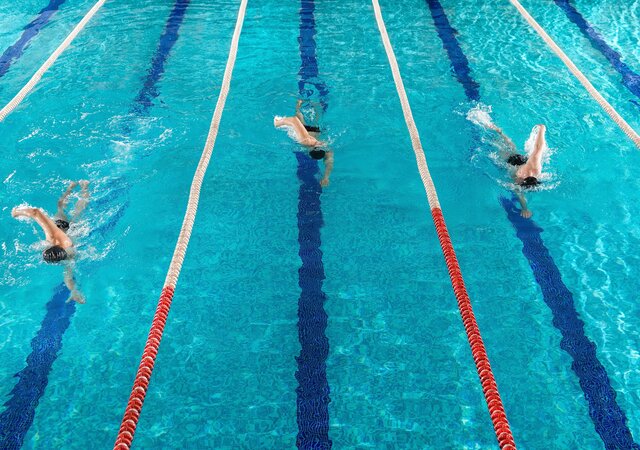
54,254
517,159
529,182
317,153
62,224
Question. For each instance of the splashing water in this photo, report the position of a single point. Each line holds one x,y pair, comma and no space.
480,115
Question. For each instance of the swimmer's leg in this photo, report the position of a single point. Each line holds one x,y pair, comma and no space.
63,200
84,199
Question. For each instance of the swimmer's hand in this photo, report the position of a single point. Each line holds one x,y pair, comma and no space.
77,297
19,211
526,213
324,182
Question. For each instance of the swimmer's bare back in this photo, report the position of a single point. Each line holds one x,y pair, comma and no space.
53,234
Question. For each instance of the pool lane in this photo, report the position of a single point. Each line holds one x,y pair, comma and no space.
149,91
17,418
20,410
630,79
609,420
313,388
14,52
459,61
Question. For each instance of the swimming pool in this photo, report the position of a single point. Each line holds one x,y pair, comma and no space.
128,107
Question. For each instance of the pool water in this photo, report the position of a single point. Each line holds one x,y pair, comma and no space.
398,369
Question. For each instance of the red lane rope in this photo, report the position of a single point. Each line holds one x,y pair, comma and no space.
488,382
139,390
141,383
478,351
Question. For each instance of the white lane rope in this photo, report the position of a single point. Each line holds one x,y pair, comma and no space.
478,350
13,104
136,400
617,118
421,160
194,194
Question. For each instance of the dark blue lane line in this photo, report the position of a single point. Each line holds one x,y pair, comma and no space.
609,419
312,403
20,411
14,52
459,61
310,84
149,91
313,387
630,79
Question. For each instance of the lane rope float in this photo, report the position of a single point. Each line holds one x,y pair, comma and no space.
610,110
13,104
487,380
141,383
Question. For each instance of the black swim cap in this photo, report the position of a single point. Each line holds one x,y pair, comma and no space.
517,159
54,254
317,154
529,182
62,224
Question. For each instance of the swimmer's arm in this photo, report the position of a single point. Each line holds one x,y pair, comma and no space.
525,211
45,223
63,200
299,114
506,138
76,295
84,199
328,168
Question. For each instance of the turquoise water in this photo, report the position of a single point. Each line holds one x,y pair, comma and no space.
399,368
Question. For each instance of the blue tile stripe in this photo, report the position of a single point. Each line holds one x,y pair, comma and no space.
313,388
18,416
309,84
630,79
149,91
14,52
459,61
20,410
609,419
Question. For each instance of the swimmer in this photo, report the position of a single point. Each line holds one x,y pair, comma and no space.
55,230
307,135
525,171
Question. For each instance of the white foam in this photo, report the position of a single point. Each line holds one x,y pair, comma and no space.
6,180
480,115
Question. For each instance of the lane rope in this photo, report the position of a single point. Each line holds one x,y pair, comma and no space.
610,110
478,351
13,104
141,383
